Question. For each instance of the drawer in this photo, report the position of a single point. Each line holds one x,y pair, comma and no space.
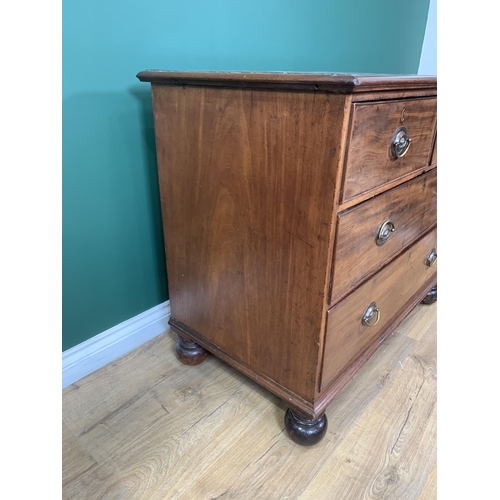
409,209
370,159
390,289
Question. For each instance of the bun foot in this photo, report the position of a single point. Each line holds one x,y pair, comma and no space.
304,431
432,296
188,352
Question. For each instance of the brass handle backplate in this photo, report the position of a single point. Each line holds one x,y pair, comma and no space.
384,231
372,311
431,258
400,143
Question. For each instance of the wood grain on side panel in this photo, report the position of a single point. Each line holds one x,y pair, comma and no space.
247,181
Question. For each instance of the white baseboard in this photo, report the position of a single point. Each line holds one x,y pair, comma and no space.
97,351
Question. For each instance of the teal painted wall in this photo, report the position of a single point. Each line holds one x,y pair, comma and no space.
113,257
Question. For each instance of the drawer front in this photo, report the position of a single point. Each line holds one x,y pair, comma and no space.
390,289
402,214
370,160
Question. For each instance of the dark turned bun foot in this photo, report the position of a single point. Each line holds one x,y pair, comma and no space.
304,431
190,353
432,296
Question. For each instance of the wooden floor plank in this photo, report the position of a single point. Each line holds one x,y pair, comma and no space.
103,440
154,454
76,461
392,448
239,436
101,394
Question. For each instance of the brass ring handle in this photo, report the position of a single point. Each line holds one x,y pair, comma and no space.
371,311
431,258
400,143
384,231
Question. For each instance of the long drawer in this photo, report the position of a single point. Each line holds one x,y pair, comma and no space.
372,161
358,320
371,233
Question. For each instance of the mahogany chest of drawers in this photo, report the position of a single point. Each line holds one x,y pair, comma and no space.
299,215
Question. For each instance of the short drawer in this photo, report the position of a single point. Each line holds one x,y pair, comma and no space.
370,234
372,159
387,292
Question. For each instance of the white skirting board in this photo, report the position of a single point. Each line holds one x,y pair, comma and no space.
97,351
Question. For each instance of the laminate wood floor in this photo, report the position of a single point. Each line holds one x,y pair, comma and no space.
148,427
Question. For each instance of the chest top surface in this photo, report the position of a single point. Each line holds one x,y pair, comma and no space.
332,82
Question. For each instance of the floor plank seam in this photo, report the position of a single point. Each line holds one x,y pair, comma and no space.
125,405
212,412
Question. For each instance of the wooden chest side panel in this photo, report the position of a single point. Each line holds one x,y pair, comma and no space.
247,187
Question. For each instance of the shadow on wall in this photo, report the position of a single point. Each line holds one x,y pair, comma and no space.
112,232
